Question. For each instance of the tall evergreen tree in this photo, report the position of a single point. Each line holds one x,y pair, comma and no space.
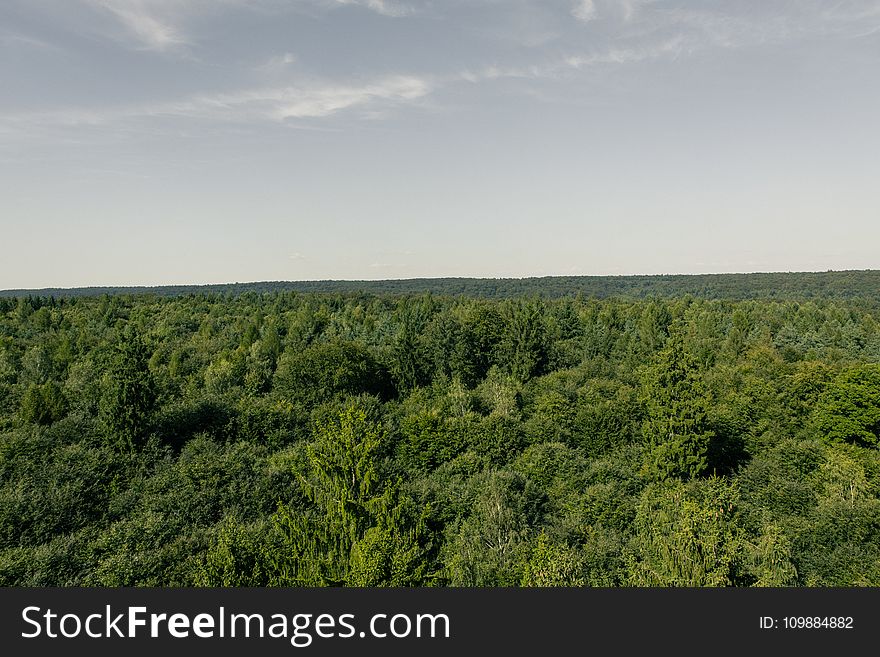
130,396
676,427
359,532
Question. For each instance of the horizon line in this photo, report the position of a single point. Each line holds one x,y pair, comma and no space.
127,286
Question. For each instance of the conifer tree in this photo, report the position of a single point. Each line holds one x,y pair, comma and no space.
360,532
676,427
130,395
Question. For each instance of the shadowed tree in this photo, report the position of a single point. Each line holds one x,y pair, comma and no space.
130,395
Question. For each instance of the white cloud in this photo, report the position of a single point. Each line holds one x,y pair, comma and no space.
384,7
631,8
285,59
630,55
663,30
140,20
277,63
14,39
317,101
584,10
161,25
169,26
270,104
563,68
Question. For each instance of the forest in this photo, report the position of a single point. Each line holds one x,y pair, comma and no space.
860,284
674,435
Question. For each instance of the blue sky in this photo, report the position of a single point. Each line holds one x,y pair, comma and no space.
206,141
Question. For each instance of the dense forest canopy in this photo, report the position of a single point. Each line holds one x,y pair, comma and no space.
802,286
714,434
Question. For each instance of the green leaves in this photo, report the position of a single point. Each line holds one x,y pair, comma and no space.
552,564
677,427
360,440
43,404
130,396
523,347
238,556
360,530
328,370
849,410
687,536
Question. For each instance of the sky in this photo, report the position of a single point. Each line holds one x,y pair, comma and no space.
150,142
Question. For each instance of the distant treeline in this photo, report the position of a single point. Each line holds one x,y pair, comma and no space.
864,284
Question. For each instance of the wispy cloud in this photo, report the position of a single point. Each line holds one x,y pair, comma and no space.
270,104
771,21
143,22
564,67
15,39
584,10
308,102
626,32
163,26
631,8
276,67
669,47
639,31
384,7
172,26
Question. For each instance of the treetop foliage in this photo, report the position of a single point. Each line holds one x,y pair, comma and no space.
521,435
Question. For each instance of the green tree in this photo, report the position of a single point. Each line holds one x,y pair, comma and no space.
427,440
849,409
676,427
359,531
326,370
687,535
771,563
522,350
43,404
408,366
490,547
653,325
551,564
236,557
130,396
